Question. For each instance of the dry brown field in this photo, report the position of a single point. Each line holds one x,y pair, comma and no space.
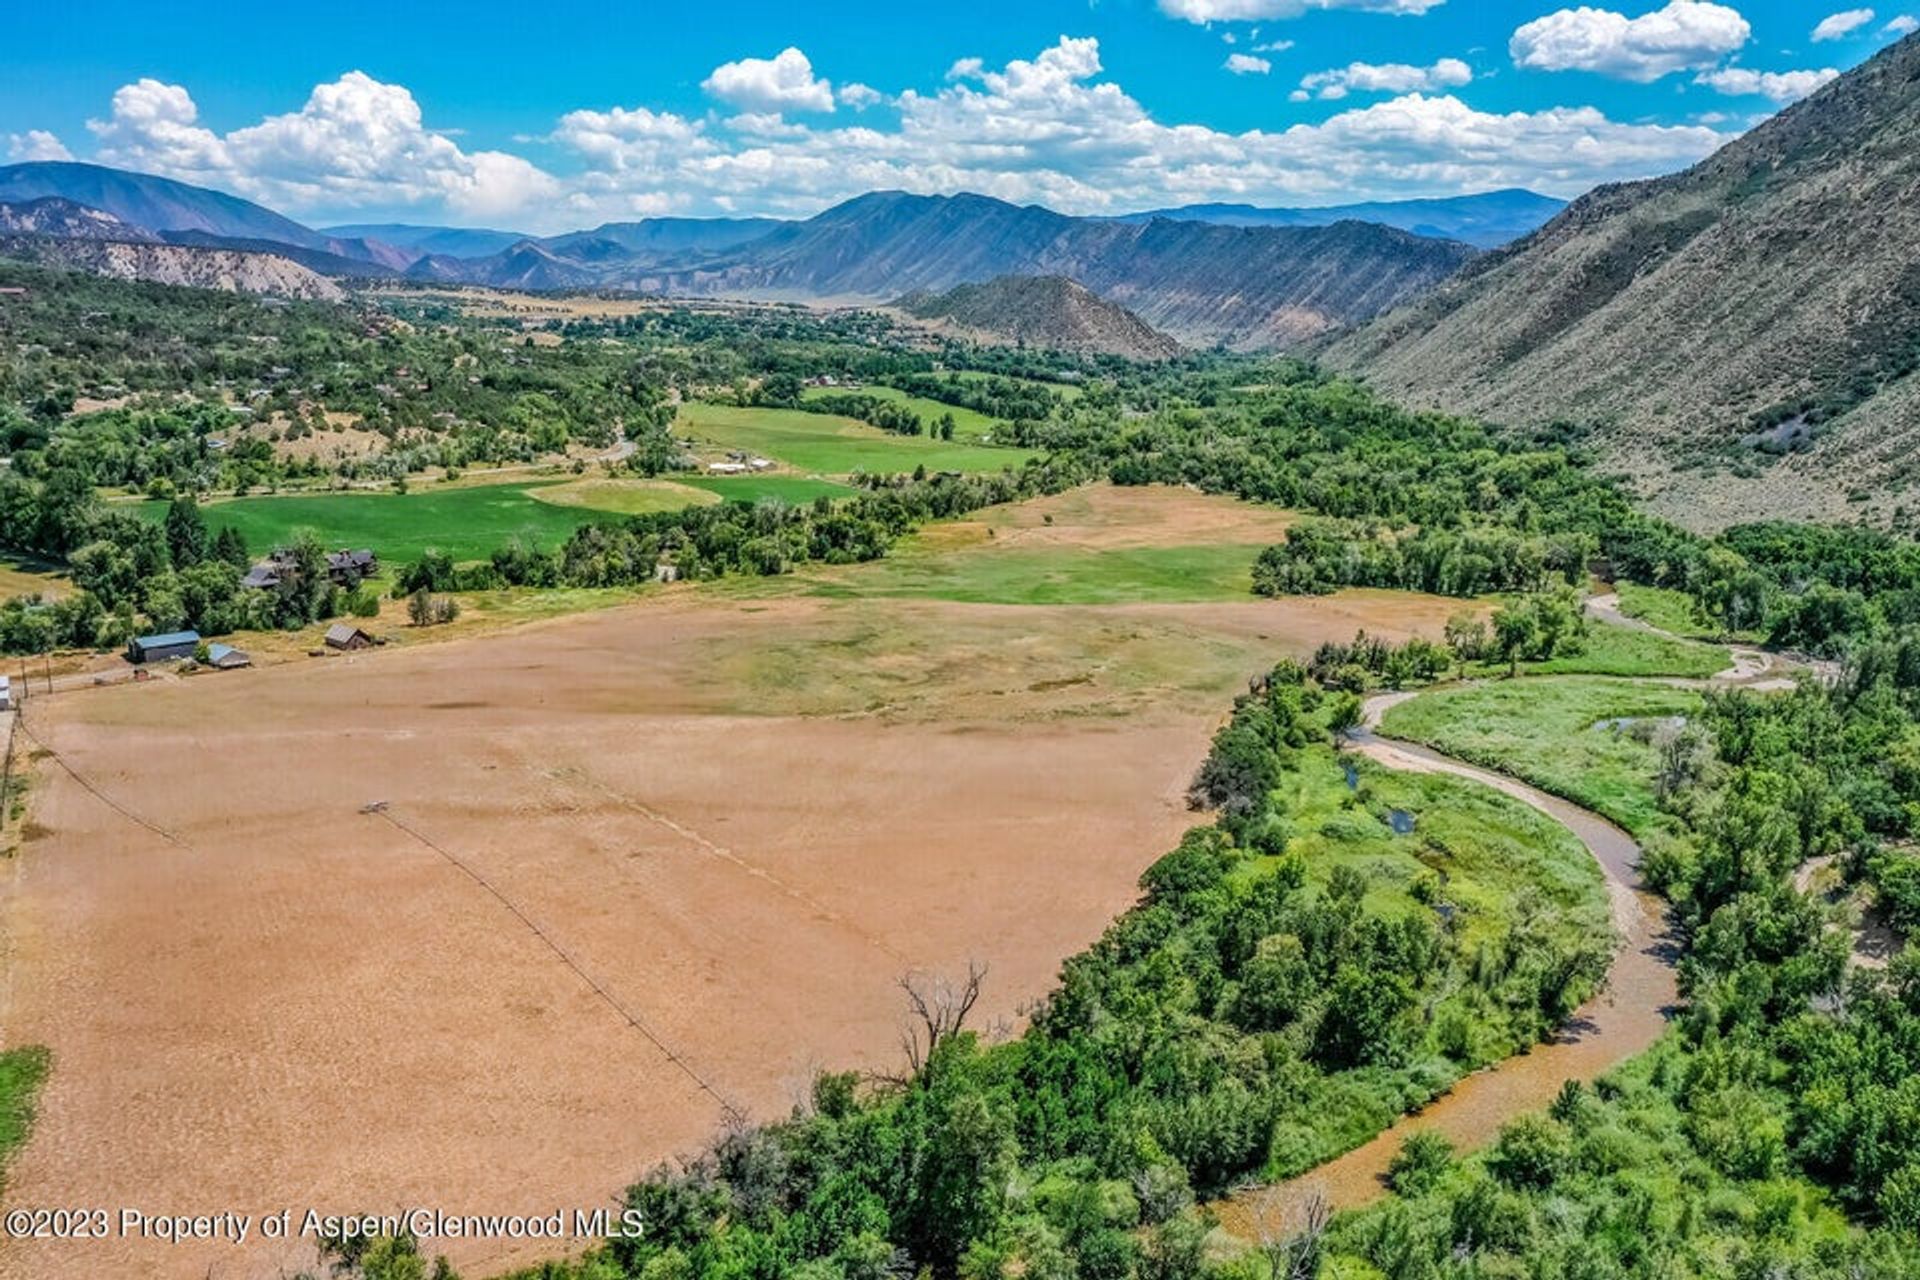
633,867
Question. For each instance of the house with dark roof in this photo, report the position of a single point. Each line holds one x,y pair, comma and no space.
345,568
350,568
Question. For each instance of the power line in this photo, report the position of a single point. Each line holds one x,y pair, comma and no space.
631,1018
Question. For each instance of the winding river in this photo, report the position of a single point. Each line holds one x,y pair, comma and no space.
1625,1018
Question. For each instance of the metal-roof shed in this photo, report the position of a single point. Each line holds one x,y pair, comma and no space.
159,648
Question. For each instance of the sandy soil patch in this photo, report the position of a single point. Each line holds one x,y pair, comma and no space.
629,496
741,821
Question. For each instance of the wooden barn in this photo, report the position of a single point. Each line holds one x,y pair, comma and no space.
344,635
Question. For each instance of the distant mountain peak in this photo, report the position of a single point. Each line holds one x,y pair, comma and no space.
166,207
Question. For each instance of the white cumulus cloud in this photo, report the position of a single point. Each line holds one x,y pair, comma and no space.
156,126
355,142
1904,25
1388,77
784,82
1245,64
1781,86
36,144
1686,35
1053,128
1837,25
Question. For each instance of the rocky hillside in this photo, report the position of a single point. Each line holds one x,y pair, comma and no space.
53,216
1041,311
233,270
1242,287
169,209
1742,336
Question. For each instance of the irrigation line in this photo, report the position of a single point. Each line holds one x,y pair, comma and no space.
627,1015
722,852
20,719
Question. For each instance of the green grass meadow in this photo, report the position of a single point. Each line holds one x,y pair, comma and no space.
1622,651
823,445
987,574
22,1072
465,523
468,522
1672,611
1549,731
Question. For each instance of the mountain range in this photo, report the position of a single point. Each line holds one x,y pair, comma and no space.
173,210
1759,311
1244,287
1486,221
1204,281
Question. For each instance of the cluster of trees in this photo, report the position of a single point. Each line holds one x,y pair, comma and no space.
1008,399
1820,589
761,538
133,575
893,416
199,366
1321,556
1368,661
1240,1019
1531,628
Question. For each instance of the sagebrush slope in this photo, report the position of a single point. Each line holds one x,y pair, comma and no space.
1042,311
1765,301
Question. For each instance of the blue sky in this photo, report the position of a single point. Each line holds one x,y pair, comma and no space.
543,117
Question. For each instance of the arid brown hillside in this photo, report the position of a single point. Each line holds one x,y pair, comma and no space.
1741,336
233,270
1042,311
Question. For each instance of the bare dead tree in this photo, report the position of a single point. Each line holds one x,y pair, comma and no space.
1290,1254
937,1009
